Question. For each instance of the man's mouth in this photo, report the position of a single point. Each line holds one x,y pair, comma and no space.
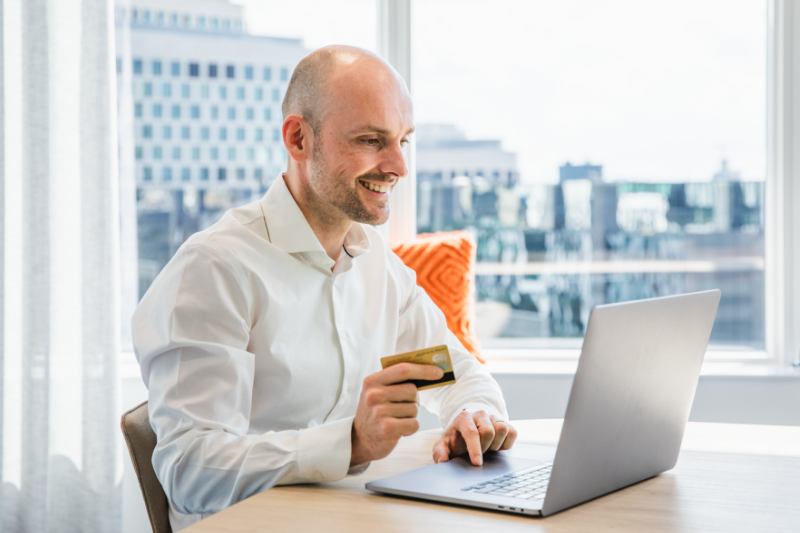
373,187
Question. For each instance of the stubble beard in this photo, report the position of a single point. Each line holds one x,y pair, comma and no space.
346,199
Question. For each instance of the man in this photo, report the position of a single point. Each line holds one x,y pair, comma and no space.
260,342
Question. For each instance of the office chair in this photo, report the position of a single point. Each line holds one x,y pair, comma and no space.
141,441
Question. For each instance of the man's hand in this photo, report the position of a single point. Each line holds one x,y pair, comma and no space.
387,410
474,433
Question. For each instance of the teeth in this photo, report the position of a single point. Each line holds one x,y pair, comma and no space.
373,187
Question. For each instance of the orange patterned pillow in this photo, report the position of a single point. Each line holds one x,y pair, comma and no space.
445,265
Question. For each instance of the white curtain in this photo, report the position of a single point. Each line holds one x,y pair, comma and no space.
59,257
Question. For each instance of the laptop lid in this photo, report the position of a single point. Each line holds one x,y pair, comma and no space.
631,396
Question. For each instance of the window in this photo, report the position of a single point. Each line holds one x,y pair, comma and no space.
166,132
276,95
166,90
157,153
147,89
137,66
259,134
176,111
156,110
173,19
214,23
166,174
160,18
267,114
147,173
137,110
276,134
607,195
284,74
139,152
147,132
155,67
213,66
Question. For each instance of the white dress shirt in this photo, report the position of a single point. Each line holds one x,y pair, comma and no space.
254,353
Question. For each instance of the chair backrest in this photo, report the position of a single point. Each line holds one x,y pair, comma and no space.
141,441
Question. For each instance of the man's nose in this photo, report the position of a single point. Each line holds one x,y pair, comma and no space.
394,161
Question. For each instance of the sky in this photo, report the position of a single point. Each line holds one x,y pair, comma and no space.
651,90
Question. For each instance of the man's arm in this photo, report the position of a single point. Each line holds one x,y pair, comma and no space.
191,335
472,410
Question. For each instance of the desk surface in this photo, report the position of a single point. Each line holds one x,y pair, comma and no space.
729,477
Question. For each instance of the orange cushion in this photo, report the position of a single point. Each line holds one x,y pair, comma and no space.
444,263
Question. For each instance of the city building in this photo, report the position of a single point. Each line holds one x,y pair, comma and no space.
206,126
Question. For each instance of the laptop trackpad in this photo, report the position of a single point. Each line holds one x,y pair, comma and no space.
459,472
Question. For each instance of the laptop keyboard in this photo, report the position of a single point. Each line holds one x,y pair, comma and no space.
527,484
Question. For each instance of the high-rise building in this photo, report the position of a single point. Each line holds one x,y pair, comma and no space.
206,95
205,100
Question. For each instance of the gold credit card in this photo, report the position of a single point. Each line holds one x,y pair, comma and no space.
438,355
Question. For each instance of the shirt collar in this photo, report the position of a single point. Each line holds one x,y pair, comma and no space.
288,229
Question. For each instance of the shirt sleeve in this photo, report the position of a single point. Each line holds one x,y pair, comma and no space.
422,325
191,334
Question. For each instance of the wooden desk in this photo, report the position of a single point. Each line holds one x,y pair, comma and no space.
729,478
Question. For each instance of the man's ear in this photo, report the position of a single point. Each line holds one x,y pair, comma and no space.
297,137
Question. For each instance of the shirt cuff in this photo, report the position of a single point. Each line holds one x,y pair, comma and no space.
323,452
476,406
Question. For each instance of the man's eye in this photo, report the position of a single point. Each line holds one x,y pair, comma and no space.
372,142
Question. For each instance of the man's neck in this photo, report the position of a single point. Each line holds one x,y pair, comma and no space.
330,230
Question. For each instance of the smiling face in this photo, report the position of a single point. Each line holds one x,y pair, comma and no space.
358,155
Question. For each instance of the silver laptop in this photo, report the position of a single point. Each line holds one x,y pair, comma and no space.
625,419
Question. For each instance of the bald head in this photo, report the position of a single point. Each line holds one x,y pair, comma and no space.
309,92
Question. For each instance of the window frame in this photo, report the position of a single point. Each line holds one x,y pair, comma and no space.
782,221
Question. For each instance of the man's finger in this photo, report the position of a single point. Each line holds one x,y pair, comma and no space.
441,451
402,392
500,434
485,429
510,438
469,432
398,410
405,371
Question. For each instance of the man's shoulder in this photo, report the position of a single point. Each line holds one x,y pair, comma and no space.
239,228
